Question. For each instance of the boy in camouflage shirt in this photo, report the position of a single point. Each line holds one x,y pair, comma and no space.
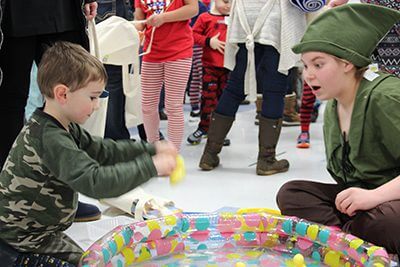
53,159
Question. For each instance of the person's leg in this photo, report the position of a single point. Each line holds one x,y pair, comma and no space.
16,58
196,81
62,247
224,115
274,88
312,201
115,121
379,226
209,96
151,81
175,78
233,94
209,99
306,109
11,257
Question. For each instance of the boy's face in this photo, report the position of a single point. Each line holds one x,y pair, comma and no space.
223,6
325,74
83,102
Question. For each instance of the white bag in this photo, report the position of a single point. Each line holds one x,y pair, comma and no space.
142,205
96,124
119,44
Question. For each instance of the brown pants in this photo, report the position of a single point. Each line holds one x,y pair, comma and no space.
316,202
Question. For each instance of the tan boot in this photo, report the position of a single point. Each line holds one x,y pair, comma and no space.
219,128
290,115
268,137
259,102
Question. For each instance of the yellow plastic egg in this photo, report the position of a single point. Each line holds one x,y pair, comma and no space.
298,260
240,264
179,173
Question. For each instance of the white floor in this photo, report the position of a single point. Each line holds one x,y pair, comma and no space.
234,183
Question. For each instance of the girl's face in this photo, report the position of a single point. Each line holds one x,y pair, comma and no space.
325,74
223,6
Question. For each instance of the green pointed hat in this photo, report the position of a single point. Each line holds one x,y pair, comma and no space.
350,32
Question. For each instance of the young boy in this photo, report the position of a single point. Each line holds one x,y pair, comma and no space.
209,31
53,159
361,127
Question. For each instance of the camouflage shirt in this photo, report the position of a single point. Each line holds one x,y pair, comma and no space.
46,168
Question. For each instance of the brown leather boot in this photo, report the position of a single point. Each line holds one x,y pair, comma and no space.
268,137
290,115
219,128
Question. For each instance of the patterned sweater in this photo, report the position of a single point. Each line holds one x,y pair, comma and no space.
46,168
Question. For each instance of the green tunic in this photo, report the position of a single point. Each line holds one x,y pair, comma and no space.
46,168
371,157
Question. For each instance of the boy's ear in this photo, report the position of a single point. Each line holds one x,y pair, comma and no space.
60,93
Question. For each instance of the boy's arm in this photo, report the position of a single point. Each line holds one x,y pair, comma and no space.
198,32
76,168
108,151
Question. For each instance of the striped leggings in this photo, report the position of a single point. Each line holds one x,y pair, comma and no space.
174,75
306,108
197,74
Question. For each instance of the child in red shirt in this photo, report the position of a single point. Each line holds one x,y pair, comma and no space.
167,61
209,31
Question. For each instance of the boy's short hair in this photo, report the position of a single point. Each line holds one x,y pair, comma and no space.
69,64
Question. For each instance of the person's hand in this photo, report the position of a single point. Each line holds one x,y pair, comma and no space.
156,20
216,44
353,199
334,3
166,147
90,10
164,163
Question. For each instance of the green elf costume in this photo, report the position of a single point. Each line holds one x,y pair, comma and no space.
370,155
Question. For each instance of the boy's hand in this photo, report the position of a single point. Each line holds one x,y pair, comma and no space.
155,20
164,164
353,199
166,147
216,44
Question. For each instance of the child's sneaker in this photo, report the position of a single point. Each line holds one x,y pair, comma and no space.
195,138
194,115
303,141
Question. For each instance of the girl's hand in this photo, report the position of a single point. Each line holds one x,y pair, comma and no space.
353,199
216,44
334,3
156,20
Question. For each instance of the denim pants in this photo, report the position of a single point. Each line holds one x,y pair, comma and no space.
270,82
115,122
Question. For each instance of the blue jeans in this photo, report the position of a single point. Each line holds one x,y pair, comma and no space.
270,82
115,122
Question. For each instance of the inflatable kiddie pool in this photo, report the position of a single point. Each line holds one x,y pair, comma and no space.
255,238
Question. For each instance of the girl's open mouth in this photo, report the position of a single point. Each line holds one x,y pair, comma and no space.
315,88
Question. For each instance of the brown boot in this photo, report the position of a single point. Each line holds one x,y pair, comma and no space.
219,128
259,101
290,115
268,137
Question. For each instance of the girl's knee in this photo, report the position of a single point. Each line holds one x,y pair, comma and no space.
285,192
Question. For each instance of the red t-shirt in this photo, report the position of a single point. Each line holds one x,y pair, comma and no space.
171,41
207,26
